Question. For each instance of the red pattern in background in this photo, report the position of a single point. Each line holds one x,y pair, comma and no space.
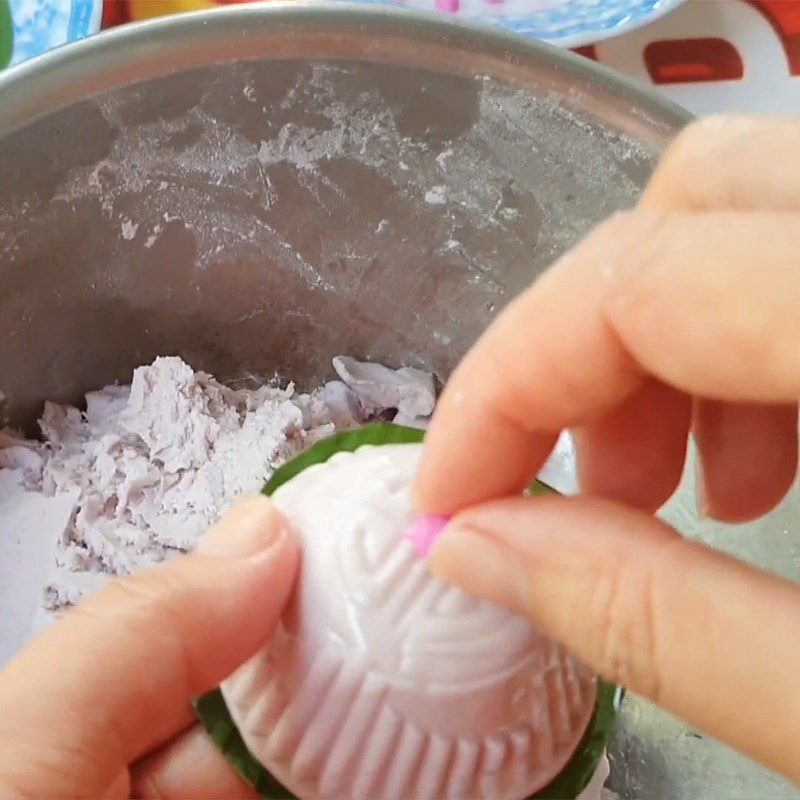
589,51
115,12
711,59
693,61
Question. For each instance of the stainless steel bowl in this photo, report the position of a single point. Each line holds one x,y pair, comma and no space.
263,187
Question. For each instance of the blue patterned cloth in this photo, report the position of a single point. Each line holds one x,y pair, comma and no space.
40,25
563,22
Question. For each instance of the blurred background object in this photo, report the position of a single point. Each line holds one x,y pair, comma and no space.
29,28
147,9
707,55
711,57
6,34
567,23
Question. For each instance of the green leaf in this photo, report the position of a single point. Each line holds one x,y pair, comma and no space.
347,442
537,487
6,34
216,719
575,777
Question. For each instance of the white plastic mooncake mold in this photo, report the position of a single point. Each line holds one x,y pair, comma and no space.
383,682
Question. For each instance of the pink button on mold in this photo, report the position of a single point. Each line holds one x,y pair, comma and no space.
425,531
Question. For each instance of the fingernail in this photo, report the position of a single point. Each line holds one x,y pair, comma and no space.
425,531
476,562
251,526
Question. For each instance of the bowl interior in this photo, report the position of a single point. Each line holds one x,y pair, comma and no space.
262,217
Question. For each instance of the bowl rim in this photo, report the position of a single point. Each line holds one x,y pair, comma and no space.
153,48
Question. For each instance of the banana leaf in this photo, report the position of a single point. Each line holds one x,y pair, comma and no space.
6,34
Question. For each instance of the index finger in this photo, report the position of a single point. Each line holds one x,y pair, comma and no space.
703,302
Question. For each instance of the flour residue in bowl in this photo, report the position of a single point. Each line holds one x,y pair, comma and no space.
522,170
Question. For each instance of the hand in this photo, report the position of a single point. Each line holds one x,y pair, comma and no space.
99,706
682,314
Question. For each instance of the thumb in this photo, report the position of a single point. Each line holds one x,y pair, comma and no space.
711,639
115,677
